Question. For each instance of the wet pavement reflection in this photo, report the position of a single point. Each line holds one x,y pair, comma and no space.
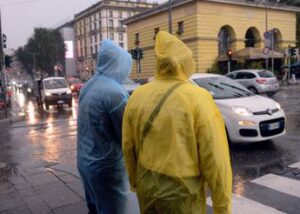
47,139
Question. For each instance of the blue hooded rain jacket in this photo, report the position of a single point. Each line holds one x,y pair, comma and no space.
101,105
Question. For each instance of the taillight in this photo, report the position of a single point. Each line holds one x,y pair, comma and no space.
261,81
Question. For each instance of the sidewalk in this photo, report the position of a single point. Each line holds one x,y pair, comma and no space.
14,114
31,190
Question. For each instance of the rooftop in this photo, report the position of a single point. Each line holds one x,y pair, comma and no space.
176,3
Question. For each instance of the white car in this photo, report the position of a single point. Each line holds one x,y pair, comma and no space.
129,85
248,117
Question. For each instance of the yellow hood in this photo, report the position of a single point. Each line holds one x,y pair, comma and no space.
173,57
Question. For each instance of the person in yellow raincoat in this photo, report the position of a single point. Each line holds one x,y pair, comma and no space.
174,140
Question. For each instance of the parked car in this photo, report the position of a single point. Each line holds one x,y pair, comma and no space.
129,85
55,91
75,85
256,80
248,117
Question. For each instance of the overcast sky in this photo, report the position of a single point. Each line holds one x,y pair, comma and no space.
20,17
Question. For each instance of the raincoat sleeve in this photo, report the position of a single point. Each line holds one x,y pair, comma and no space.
116,111
128,145
214,155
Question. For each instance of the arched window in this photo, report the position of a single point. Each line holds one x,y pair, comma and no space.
252,37
225,38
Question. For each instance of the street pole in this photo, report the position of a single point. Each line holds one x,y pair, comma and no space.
170,16
266,25
2,74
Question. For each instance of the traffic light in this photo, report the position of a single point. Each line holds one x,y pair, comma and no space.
133,53
229,54
4,39
8,61
293,51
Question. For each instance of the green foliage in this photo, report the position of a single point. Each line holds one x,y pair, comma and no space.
46,47
215,69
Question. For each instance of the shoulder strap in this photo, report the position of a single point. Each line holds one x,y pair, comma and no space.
155,112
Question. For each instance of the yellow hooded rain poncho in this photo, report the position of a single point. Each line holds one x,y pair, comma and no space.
185,145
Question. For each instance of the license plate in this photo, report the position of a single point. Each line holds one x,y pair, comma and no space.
273,126
60,102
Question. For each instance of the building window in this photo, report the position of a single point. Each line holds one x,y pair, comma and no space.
120,23
111,14
129,13
111,35
100,24
95,25
121,44
96,49
180,28
91,40
120,14
95,38
100,37
156,30
111,23
121,36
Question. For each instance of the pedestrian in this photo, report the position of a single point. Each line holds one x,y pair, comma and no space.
285,75
174,140
101,106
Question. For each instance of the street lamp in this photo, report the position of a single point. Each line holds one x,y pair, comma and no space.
34,60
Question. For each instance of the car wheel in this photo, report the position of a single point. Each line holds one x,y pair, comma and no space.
253,90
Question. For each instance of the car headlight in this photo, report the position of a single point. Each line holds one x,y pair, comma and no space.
69,91
48,94
278,106
242,111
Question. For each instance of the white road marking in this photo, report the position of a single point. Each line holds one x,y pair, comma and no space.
242,205
279,183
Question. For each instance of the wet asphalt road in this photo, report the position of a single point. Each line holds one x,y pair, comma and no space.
48,139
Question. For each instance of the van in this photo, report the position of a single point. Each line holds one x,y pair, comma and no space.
56,91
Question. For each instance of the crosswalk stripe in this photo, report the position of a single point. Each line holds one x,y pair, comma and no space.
279,183
295,165
242,205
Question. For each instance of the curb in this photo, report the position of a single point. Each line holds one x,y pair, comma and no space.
10,120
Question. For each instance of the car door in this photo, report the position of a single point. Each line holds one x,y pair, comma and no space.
241,77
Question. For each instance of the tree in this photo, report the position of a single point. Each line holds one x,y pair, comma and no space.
42,52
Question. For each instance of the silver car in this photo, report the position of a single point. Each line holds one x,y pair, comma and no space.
258,81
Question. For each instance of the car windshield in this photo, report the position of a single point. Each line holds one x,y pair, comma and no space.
222,87
55,83
265,74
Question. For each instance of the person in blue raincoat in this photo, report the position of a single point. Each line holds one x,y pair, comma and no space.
99,154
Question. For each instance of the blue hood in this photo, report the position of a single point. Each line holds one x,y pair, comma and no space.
113,61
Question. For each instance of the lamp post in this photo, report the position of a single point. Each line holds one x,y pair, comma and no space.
33,58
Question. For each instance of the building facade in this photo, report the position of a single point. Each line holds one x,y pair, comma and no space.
211,27
98,22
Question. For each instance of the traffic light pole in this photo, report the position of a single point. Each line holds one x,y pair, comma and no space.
2,74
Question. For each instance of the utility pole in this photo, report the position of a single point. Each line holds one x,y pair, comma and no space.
170,16
266,25
2,74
